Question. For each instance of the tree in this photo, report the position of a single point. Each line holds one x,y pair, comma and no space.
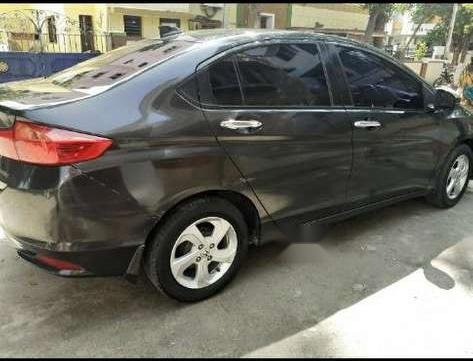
379,14
422,13
33,20
462,32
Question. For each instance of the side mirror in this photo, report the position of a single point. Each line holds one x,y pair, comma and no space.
445,98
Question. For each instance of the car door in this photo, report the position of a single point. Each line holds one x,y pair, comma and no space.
394,148
272,110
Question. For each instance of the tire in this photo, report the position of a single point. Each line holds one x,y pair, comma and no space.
171,238
439,197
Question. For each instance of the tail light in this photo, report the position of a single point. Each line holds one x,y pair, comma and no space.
58,264
39,144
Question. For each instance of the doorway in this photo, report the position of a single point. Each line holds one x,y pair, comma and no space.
86,33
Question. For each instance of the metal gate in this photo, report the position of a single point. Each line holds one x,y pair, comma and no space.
24,65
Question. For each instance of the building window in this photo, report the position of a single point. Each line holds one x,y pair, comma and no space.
132,25
170,22
52,32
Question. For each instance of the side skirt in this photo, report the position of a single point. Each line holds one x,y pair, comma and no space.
314,230
366,208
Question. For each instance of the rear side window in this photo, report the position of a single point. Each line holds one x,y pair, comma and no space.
220,84
375,82
283,75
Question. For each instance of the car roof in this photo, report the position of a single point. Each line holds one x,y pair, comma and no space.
235,37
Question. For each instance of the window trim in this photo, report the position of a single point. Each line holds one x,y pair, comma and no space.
238,75
333,45
204,65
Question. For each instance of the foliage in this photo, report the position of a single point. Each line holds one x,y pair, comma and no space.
462,30
425,12
437,36
401,8
421,50
380,8
420,13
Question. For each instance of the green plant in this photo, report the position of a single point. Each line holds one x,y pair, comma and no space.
421,50
462,31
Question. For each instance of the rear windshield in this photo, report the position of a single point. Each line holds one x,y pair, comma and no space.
95,74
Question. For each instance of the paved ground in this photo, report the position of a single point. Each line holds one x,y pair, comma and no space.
395,282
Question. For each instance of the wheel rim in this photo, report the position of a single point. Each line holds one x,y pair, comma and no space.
203,252
458,176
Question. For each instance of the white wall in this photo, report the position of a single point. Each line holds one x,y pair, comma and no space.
415,66
434,68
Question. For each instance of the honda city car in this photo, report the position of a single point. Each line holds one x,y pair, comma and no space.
173,155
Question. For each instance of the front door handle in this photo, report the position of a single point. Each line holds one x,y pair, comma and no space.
241,124
367,124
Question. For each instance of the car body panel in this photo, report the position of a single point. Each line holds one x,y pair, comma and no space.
298,163
162,155
399,156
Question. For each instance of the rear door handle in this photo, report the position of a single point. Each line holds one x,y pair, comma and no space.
241,124
367,124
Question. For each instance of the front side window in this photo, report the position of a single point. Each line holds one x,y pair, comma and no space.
374,82
283,75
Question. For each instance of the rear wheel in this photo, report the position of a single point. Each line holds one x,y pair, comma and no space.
453,178
198,249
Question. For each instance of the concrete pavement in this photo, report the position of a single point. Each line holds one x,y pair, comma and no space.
394,282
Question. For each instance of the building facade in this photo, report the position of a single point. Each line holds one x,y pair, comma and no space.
343,19
264,16
348,20
101,27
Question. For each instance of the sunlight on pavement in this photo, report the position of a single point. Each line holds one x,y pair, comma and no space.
424,314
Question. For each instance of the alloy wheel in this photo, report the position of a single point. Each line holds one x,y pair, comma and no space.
458,176
203,252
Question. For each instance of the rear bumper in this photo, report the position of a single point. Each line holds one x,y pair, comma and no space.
79,263
63,215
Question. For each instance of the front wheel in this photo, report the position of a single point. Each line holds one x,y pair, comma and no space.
452,180
198,249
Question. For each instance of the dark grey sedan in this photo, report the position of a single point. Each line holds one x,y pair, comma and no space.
173,155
